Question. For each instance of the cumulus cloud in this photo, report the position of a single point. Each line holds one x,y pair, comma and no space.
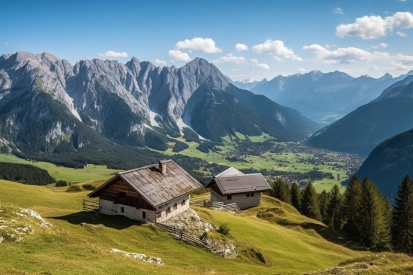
301,70
179,56
160,62
113,54
340,55
372,27
205,45
380,46
241,47
257,65
401,34
338,11
276,48
376,60
230,58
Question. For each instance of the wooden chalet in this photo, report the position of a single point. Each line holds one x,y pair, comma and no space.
233,186
152,193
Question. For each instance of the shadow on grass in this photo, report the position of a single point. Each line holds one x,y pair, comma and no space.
334,236
89,217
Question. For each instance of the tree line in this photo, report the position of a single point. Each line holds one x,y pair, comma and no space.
24,173
363,212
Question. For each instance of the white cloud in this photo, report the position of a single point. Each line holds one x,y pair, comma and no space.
257,65
229,58
160,62
372,27
401,0
338,11
340,55
241,47
276,48
401,34
205,45
179,56
278,59
301,70
375,60
113,54
380,46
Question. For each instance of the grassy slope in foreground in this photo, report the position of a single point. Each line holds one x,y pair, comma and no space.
77,249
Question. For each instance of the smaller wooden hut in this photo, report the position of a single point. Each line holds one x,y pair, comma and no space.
233,186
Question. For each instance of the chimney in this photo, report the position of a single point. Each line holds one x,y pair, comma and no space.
162,167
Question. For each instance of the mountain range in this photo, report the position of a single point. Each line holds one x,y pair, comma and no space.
48,106
323,97
366,127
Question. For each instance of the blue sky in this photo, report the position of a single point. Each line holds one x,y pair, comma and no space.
273,37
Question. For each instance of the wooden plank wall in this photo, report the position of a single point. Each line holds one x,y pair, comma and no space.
120,192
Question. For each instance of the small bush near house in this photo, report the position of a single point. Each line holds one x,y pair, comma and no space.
74,188
88,186
61,183
223,229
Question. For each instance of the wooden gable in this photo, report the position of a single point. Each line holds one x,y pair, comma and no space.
120,192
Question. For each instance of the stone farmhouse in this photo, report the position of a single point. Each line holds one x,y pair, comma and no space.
152,193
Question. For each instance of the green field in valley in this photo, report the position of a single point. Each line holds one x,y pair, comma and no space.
89,173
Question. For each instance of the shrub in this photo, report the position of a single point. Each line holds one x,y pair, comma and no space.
61,183
223,229
74,188
88,186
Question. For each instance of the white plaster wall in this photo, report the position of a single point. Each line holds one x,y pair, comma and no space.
241,200
111,208
180,208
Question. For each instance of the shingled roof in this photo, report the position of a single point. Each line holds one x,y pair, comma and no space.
232,181
154,186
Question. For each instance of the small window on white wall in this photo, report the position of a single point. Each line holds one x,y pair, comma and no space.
122,210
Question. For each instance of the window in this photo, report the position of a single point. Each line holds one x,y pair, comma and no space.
175,206
183,203
248,194
159,215
168,210
143,215
122,210
122,195
229,197
252,194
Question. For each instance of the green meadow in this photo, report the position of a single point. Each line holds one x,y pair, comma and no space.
89,173
281,242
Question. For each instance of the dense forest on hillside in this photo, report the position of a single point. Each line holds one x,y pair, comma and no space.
362,212
25,173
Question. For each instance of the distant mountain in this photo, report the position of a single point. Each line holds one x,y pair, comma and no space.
48,106
363,129
389,163
249,84
323,97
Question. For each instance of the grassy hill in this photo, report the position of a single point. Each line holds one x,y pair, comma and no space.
289,242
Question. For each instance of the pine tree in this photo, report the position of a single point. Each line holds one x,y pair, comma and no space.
402,223
385,219
281,191
296,196
323,199
351,208
374,223
309,202
334,217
